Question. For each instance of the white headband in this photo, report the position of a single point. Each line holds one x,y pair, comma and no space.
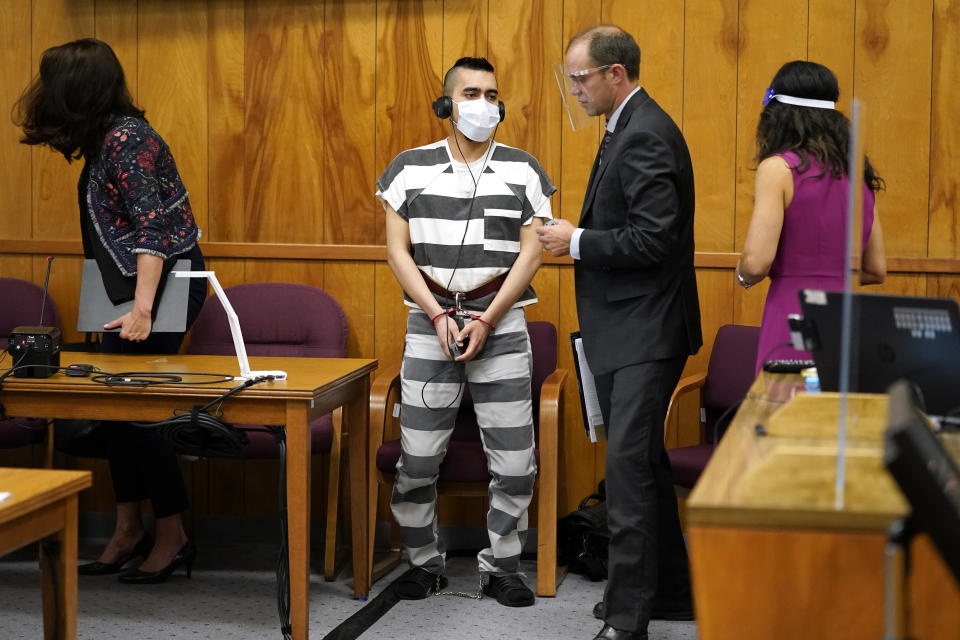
805,102
800,102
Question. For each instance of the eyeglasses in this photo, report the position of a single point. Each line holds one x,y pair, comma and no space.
579,77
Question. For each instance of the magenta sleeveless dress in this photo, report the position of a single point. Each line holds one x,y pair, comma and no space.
810,253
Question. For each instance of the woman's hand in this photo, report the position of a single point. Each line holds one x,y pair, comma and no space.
137,324
134,325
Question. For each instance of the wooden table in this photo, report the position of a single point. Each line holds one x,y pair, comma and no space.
314,387
771,557
43,506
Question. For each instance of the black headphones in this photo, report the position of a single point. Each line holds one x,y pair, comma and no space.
443,107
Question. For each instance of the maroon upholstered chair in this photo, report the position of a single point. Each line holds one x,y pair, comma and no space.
730,373
464,469
20,303
283,320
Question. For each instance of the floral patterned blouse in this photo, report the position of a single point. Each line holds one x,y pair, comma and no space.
134,197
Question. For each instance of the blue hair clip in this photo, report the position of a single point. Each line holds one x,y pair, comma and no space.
768,96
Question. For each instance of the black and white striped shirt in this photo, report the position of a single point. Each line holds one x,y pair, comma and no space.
481,209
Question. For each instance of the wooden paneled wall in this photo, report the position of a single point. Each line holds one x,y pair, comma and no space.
281,114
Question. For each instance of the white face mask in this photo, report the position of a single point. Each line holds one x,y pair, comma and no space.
478,119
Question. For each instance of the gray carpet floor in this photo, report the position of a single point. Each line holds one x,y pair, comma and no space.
232,596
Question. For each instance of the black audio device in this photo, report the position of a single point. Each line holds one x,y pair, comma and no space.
36,350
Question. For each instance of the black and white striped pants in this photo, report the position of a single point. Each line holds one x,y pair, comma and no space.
499,382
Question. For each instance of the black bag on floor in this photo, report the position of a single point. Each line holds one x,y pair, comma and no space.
583,538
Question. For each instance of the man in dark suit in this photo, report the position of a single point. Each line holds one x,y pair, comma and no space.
639,317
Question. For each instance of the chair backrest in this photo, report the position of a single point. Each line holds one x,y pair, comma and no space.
20,303
730,373
277,319
543,347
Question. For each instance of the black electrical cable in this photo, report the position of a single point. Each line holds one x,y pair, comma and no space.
473,197
6,374
719,420
146,378
197,432
451,364
718,423
283,557
17,361
3,376
141,379
136,379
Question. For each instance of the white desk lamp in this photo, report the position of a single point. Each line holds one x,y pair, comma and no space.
245,372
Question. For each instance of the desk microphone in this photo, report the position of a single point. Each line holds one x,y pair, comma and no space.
36,350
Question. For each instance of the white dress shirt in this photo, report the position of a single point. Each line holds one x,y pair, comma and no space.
611,127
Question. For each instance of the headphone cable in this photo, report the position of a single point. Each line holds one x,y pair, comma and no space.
473,196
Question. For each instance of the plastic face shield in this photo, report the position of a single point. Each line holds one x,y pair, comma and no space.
568,82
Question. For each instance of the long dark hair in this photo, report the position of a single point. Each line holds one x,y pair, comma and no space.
823,134
72,104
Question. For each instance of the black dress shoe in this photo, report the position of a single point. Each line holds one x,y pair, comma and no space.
140,550
184,557
509,590
609,633
674,611
417,583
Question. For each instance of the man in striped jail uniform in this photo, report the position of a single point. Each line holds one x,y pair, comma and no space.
461,219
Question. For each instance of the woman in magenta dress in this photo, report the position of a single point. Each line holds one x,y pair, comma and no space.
798,228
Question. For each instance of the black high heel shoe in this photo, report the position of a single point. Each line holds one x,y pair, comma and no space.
184,557
140,550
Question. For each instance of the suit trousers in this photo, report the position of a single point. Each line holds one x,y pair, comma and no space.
647,554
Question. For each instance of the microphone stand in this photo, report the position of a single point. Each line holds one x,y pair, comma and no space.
46,284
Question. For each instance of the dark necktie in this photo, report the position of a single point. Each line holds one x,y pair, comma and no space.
603,144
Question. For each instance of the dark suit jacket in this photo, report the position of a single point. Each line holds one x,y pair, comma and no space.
635,282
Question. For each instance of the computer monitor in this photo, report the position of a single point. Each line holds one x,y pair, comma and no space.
893,337
926,472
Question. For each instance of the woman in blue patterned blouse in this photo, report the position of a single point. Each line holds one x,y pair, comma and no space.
135,221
